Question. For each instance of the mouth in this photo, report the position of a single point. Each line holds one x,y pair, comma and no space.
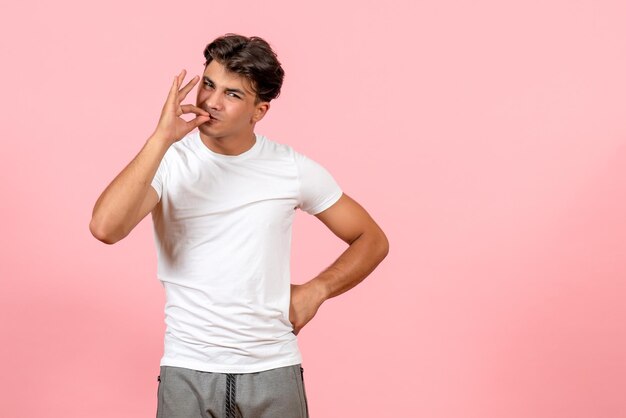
211,115
211,121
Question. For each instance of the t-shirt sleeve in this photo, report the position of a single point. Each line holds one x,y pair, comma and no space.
158,181
318,189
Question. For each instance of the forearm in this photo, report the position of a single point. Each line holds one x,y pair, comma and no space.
354,265
117,206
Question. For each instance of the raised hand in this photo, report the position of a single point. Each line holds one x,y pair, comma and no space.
171,126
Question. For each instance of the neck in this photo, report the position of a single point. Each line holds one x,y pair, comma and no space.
229,145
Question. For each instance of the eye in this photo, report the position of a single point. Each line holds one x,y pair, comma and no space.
208,84
234,95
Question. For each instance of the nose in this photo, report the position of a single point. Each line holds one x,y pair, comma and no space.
214,100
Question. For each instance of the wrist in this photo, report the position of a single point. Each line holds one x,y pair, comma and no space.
159,138
319,289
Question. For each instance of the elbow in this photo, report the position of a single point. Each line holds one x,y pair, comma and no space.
379,242
101,234
383,245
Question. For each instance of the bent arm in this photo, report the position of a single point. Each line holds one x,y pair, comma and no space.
129,197
368,246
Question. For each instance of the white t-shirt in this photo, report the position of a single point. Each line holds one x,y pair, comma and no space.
222,230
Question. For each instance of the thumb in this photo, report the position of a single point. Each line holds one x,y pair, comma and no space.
197,121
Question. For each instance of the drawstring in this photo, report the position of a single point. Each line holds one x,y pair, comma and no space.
230,396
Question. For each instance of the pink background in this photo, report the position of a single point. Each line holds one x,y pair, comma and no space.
487,138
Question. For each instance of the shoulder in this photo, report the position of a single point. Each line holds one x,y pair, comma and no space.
180,150
276,148
304,164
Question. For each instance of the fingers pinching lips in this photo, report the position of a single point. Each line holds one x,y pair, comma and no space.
194,109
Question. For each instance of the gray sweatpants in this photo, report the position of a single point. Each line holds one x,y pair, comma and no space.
275,393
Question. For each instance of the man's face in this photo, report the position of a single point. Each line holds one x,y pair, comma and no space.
229,98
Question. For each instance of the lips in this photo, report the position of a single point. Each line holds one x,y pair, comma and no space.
211,114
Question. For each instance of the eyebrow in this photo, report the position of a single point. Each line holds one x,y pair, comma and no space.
229,90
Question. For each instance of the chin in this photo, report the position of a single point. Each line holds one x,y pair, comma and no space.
209,131
206,129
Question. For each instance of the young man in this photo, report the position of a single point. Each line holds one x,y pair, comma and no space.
222,200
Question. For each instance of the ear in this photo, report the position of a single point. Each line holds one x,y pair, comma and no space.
260,110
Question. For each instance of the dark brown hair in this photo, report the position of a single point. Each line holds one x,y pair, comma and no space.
251,57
